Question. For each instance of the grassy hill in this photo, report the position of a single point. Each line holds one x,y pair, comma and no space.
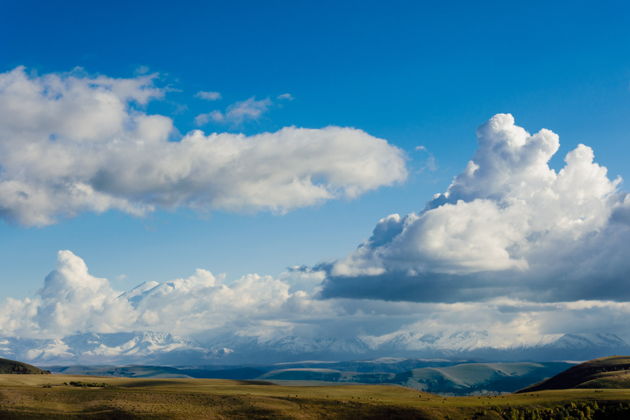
454,379
89,397
12,367
142,371
607,372
478,378
460,379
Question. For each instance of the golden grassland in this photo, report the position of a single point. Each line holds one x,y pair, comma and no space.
89,397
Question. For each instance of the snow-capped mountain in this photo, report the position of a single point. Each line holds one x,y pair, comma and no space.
581,347
473,345
585,341
167,349
251,349
459,341
88,348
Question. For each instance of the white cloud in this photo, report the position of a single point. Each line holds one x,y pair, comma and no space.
286,97
508,224
71,143
208,95
264,308
72,300
203,119
430,163
238,113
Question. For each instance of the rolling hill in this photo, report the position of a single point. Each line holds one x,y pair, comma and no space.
478,378
83,397
436,376
12,367
606,372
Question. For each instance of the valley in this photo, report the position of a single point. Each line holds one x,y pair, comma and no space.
435,376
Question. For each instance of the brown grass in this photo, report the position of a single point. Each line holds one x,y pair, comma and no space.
52,397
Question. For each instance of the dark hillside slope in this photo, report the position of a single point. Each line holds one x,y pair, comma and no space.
13,367
469,378
607,372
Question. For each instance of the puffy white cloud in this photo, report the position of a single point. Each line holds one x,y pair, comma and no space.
72,300
255,309
508,225
513,253
71,143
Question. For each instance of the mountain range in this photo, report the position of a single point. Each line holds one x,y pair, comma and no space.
167,349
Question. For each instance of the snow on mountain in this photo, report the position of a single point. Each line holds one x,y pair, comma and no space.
135,295
100,348
474,344
585,341
252,349
163,348
417,341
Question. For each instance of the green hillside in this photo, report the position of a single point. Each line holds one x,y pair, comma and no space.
13,367
607,372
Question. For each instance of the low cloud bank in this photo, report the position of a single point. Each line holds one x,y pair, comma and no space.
257,311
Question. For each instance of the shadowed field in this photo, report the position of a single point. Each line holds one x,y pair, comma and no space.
90,397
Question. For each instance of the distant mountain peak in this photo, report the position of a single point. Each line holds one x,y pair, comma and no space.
575,340
228,348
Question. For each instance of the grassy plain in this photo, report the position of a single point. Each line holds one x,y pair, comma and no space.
89,397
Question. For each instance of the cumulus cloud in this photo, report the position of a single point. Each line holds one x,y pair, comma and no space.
263,308
208,95
71,143
72,300
512,253
238,113
508,225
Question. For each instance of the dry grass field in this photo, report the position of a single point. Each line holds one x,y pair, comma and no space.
89,397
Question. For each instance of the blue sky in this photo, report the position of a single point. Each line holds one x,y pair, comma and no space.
413,73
